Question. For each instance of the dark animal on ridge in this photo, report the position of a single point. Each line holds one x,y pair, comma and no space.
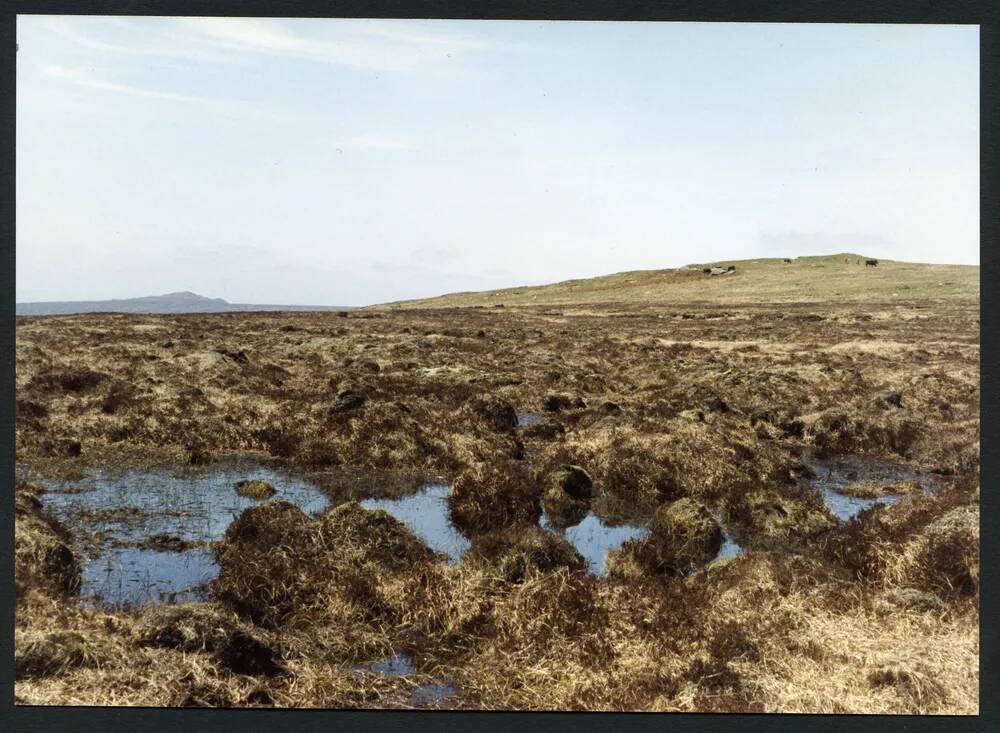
871,263
787,260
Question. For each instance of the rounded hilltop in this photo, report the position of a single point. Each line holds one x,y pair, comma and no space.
835,278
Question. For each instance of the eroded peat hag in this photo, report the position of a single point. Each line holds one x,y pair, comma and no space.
689,428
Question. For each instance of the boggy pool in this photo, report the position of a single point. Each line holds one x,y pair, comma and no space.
593,537
834,474
115,515
426,513
119,513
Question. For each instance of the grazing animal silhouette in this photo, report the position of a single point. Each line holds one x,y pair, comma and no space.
787,260
871,263
707,271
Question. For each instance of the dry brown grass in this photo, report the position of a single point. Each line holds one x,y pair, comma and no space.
42,554
655,403
255,489
494,495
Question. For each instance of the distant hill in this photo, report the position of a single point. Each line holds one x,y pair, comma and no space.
183,302
841,277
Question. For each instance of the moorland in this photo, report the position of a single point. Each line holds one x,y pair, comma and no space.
700,410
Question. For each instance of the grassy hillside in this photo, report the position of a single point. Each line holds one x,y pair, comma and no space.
840,277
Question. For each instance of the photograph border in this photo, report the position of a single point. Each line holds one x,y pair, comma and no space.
32,718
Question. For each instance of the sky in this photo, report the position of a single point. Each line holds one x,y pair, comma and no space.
348,162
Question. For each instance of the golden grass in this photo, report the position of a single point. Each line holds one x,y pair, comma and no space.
933,665
654,398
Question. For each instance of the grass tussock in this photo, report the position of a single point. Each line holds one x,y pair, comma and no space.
255,489
683,534
929,543
489,496
196,628
53,654
43,557
515,552
282,569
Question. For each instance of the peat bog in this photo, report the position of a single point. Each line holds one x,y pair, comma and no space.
607,505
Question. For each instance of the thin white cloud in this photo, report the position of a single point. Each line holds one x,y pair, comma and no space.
375,45
68,29
404,32
82,77
254,33
434,255
357,43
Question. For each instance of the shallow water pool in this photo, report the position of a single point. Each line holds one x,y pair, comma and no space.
730,547
593,537
426,513
123,509
392,666
836,473
401,665
131,576
527,419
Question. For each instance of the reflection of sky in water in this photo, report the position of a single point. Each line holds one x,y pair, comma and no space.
426,513
198,505
592,538
730,547
833,474
426,694
398,665
844,507
394,666
527,419
194,505
130,576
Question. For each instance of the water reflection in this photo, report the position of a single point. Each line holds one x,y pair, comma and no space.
426,513
193,506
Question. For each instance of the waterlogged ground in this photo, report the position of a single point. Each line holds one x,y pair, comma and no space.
593,537
401,665
726,406
426,513
120,516
835,474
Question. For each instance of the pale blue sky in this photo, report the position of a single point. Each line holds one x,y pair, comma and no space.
351,162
